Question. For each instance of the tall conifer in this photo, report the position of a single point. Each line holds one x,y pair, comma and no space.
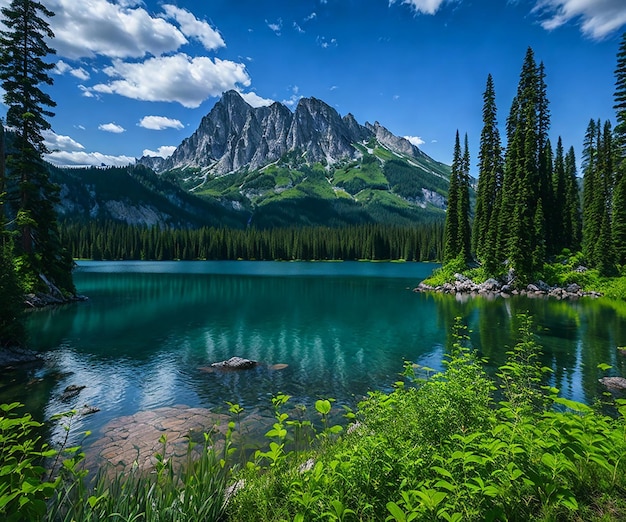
489,193
451,247
23,70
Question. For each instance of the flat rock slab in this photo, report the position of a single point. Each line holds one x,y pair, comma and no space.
133,440
235,363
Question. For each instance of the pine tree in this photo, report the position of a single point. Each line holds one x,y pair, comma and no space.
23,70
560,225
489,191
527,179
451,228
620,101
618,226
464,229
573,217
619,195
591,221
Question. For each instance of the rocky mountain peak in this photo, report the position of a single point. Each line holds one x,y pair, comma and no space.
234,135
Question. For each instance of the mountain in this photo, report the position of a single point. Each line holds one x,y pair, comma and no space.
308,167
135,195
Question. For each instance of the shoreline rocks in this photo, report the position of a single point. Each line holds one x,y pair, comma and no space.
41,300
494,288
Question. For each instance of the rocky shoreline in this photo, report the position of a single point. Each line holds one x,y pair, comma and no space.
463,285
42,300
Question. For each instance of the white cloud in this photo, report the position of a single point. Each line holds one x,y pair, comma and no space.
160,123
312,16
57,142
194,28
294,98
415,140
179,78
275,26
164,151
97,27
62,68
253,99
325,43
86,159
422,6
298,28
111,127
598,18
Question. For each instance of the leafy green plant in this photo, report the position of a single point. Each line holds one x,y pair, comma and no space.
24,488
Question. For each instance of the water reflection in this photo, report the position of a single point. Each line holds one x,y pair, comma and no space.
143,338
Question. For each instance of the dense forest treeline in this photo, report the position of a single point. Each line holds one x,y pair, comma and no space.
119,241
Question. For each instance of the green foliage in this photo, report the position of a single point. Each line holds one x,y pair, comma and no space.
24,489
446,273
12,330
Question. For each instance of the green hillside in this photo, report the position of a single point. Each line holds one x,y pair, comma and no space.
380,187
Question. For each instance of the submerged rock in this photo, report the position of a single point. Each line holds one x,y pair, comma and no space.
614,382
235,363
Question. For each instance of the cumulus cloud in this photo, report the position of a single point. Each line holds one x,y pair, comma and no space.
56,142
111,127
253,99
598,18
325,43
62,68
160,123
180,78
194,28
415,140
422,6
118,30
164,151
86,159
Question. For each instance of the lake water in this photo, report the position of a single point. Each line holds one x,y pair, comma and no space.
149,330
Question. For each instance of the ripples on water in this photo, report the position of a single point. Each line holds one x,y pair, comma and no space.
342,328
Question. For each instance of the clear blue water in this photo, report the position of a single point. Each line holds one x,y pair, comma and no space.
149,329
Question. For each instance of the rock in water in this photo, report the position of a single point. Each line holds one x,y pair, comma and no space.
614,382
235,363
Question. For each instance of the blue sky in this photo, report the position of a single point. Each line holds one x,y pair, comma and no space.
136,77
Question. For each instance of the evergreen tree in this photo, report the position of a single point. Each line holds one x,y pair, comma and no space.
23,70
620,101
464,229
527,178
619,195
573,217
592,222
451,245
560,226
489,191
619,220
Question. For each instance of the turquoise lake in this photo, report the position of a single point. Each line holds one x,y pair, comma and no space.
149,330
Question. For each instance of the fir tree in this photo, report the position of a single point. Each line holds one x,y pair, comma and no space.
464,230
489,193
561,227
592,222
451,245
573,217
620,101
23,70
619,220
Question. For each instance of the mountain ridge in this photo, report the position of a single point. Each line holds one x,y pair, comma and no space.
235,136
